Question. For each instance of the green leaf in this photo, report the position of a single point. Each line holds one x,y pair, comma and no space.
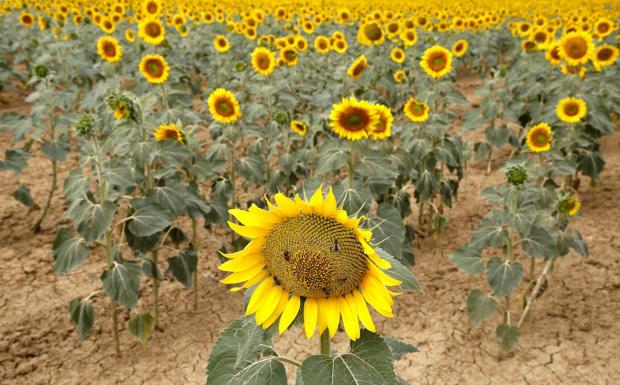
331,157
22,195
480,306
590,163
15,159
503,276
507,336
169,197
94,219
182,266
399,348
68,252
400,272
426,185
76,185
56,150
346,369
141,326
150,269
149,219
388,229
490,233
252,169
83,315
373,350
468,259
539,243
122,283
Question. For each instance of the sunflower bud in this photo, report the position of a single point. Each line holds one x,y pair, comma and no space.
85,125
123,107
41,70
281,117
73,36
503,70
516,176
240,66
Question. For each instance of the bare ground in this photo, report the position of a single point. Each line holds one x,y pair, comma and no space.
571,336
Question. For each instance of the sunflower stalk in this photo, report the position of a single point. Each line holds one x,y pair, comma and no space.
325,343
195,272
156,282
48,201
539,282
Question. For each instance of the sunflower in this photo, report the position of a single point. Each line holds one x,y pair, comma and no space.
309,257
221,43
130,36
437,61
357,67
299,127
459,48
370,34
169,132
289,56
539,137
605,56
263,60
409,37
571,110
576,48
120,112
397,55
340,46
416,111
553,54
383,128
321,44
152,8
151,31
109,49
224,106
154,68
26,19
604,27
399,76
352,119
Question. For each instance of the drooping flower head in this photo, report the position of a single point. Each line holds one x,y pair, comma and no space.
299,127
308,256
169,132
356,68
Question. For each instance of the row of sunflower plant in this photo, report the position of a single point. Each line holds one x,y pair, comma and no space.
283,101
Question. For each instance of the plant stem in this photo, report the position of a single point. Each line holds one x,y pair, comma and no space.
532,267
325,343
37,226
155,289
532,297
233,177
117,345
195,272
351,166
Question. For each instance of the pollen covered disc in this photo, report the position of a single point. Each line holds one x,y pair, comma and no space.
315,256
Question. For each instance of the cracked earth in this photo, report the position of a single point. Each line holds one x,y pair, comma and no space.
571,336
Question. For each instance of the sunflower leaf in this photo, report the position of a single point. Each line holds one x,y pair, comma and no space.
83,315
400,272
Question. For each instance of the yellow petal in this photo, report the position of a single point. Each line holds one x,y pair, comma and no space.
244,275
278,311
240,264
381,276
310,316
379,288
265,215
253,247
321,322
288,207
259,278
331,309
362,310
249,232
248,219
289,313
330,206
275,209
258,296
375,300
374,257
268,307
317,200
349,319
303,205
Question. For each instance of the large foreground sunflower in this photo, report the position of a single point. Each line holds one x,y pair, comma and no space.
539,137
309,257
416,111
224,106
109,49
154,68
571,110
437,61
353,119
576,48
263,60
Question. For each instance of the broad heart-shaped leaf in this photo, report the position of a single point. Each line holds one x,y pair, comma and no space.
122,283
57,149
238,347
507,336
468,259
400,272
503,276
169,197
94,219
539,243
426,185
331,157
182,266
76,185
15,159
149,219
491,232
141,326
68,252
591,164
83,315
388,229
368,363
480,306
22,195
399,348
150,269
375,166
252,169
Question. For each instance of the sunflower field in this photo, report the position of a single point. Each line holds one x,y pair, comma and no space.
309,192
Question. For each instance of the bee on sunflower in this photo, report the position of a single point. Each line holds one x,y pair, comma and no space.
539,138
571,110
416,111
154,68
356,68
309,257
263,61
353,119
436,61
109,49
224,106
